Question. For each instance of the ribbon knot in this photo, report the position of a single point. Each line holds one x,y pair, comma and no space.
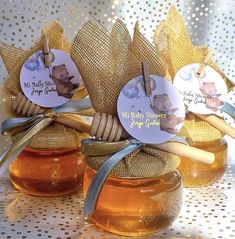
119,150
30,126
51,114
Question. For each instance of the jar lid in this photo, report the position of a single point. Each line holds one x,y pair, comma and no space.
56,136
143,163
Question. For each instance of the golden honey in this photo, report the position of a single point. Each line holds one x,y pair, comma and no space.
206,137
196,174
136,207
48,172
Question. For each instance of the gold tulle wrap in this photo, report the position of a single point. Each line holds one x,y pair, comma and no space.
107,61
55,135
173,43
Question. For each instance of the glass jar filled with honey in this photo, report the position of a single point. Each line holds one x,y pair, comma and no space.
136,206
50,172
42,169
206,137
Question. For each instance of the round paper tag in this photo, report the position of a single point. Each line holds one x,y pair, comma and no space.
154,119
203,94
49,87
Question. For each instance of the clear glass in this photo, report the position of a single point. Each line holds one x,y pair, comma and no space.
136,207
206,137
197,174
48,172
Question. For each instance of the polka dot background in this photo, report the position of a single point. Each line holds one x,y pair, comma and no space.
207,212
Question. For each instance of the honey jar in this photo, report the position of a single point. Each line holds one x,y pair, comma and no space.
136,206
51,172
52,164
206,137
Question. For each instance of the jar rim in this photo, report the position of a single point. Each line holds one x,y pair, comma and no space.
139,178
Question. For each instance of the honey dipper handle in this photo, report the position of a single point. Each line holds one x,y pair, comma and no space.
187,151
105,127
75,122
219,124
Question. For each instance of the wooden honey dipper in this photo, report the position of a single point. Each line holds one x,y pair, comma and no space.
108,128
214,120
103,127
23,106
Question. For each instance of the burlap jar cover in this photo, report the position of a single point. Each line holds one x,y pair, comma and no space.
142,163
107,61
174,44
56,135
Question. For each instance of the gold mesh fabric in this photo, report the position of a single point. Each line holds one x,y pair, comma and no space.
55,135
144,162
11,87
174,44
108,60
199,130
10,55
